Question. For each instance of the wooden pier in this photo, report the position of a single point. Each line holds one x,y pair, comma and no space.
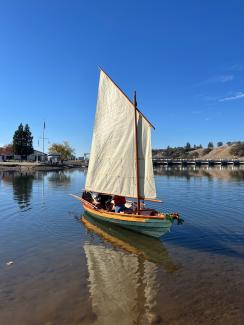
197,162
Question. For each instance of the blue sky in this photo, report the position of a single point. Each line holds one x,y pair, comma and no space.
184,58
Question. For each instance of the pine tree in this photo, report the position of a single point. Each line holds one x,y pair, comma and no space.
210,145
18,140
28,140
188,146
22,141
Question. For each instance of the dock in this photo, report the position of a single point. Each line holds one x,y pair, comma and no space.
197,162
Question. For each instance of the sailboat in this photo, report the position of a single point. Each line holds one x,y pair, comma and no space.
121,163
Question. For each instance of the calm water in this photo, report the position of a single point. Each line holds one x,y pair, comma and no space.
68,271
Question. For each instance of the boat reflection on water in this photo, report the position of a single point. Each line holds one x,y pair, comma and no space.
123,268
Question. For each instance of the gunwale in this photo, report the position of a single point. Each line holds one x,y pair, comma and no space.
113,215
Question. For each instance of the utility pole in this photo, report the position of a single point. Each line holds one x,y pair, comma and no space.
43,137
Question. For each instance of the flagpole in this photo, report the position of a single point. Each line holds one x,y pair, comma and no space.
43,137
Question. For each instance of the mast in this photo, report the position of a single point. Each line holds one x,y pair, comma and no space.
137,158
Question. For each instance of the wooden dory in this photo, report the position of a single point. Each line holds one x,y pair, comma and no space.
154,226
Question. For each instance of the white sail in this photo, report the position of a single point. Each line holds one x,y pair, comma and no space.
112,164
147,184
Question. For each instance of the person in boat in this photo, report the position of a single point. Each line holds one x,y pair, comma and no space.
87,196
119,203
104,201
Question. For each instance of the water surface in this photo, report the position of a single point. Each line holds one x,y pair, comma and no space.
68,271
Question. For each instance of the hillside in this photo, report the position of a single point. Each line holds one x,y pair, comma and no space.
233,151
223,152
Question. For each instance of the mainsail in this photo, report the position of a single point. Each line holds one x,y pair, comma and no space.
112,164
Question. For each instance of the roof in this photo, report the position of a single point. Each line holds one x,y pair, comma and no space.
54,154
37,152
6,150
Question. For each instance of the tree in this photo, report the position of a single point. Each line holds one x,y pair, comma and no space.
22,141
18,139
188,146
220,144
65,150
210,145
28,140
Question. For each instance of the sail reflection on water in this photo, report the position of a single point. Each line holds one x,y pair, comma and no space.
122,269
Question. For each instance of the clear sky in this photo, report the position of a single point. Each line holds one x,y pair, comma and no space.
184,58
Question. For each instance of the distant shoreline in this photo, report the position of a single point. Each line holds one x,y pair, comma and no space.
234,151
27,166
32,167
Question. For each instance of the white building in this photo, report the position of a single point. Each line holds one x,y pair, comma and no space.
37,156
54,158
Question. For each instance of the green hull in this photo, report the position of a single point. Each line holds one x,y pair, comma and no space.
151,227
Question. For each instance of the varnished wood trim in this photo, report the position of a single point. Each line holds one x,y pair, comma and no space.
114,215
